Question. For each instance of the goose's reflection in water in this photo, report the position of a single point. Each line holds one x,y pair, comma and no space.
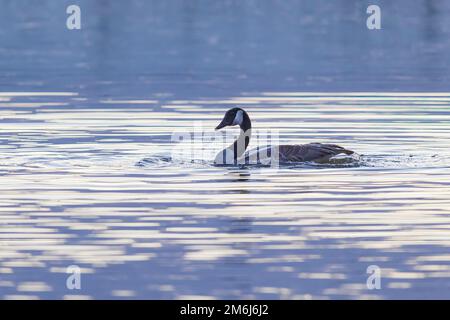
241,175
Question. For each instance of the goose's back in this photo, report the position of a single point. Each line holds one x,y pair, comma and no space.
310,152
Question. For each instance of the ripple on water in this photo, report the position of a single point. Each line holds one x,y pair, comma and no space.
70,193
387,161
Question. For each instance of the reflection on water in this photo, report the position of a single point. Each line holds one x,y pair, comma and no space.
136,48
79,110
70,193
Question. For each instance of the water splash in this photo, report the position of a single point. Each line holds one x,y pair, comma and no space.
404,161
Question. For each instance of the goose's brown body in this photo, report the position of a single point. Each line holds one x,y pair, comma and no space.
317,152
311,152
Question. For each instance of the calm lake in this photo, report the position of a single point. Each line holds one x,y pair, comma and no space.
87,119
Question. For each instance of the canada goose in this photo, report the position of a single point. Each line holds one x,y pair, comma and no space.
235,153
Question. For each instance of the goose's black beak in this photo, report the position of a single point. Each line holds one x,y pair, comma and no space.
221,125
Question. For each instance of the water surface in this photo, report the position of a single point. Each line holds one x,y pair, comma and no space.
79,110
72,194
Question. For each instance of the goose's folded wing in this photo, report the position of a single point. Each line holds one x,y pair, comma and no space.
310,152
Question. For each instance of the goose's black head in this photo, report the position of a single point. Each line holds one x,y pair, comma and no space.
235,117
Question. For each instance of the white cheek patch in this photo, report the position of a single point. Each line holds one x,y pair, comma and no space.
238,118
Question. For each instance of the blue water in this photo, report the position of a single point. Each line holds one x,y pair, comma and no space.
200,49
79,109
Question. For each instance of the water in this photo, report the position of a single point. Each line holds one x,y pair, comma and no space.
79,111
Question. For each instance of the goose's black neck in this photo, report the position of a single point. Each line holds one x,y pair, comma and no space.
246,123
244,137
